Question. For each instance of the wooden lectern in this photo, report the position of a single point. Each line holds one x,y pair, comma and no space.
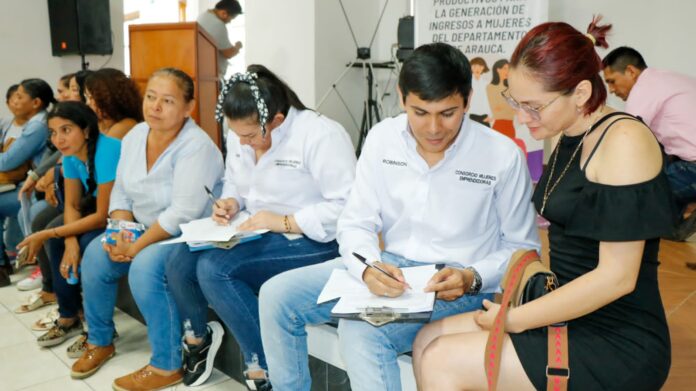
185,46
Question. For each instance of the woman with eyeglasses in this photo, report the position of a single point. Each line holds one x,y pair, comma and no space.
608,202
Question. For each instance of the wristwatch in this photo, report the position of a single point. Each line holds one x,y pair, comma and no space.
476,284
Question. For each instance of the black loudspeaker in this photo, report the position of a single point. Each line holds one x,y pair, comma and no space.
80,27
405,38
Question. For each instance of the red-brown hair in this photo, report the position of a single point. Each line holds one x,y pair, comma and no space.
561,57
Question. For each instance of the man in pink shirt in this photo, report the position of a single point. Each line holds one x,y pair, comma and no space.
666,101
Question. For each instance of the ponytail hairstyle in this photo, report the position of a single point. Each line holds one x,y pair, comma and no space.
81,115
560,57
80,77
257,92
181,78
37,88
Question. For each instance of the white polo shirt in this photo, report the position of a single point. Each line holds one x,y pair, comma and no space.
473,208
307,172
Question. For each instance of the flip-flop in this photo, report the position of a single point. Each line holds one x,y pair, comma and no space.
34,302
46,322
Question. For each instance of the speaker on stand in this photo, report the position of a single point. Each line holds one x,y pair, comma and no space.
80,27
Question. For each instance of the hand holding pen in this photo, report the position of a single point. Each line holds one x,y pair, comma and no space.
383,279
223,209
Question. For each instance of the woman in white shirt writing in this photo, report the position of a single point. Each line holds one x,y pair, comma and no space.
291,170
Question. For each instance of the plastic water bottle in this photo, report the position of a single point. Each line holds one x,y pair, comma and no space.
72,278
188,330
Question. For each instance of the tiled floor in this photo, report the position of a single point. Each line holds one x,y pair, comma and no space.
28,367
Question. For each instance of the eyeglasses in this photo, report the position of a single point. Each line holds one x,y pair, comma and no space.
534,112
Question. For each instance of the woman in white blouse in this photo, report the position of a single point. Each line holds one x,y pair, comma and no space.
291,169
165,163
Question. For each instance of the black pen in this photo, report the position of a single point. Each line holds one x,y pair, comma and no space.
210,194
364,261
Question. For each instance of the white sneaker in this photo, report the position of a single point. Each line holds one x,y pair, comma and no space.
32,282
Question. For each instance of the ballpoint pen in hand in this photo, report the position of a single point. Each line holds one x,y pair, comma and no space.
212,198
372,265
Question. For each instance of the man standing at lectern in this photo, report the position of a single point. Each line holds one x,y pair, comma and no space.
213,22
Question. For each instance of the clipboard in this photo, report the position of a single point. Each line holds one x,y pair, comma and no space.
235,240
360,304
379,316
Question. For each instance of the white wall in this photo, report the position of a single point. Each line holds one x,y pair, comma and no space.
308,43
280,35
25,44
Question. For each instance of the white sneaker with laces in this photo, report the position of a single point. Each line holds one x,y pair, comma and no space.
32,282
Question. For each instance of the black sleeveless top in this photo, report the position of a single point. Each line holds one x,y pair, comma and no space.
624,345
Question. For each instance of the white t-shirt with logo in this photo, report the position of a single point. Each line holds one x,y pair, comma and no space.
473,208
308,172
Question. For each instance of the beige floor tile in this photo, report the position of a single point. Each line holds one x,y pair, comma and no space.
61,384
13,332
229,385
29,366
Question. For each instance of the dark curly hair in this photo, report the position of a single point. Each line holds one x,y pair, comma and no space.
115,94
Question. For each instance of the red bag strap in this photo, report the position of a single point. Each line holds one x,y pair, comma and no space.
557,371
494,345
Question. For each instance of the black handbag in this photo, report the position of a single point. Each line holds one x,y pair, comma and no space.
527,279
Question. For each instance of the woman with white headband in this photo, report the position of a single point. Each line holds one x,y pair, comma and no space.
291,169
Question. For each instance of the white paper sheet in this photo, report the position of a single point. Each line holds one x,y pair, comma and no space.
354,295
207,230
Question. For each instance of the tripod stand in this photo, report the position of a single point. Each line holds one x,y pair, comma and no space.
371,105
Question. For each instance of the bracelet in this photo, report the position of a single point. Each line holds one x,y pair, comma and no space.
286,223
33,175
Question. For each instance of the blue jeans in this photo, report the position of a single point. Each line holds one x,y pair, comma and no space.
9,207
682,178
69,296
288,303
35,208
150,290
230,280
